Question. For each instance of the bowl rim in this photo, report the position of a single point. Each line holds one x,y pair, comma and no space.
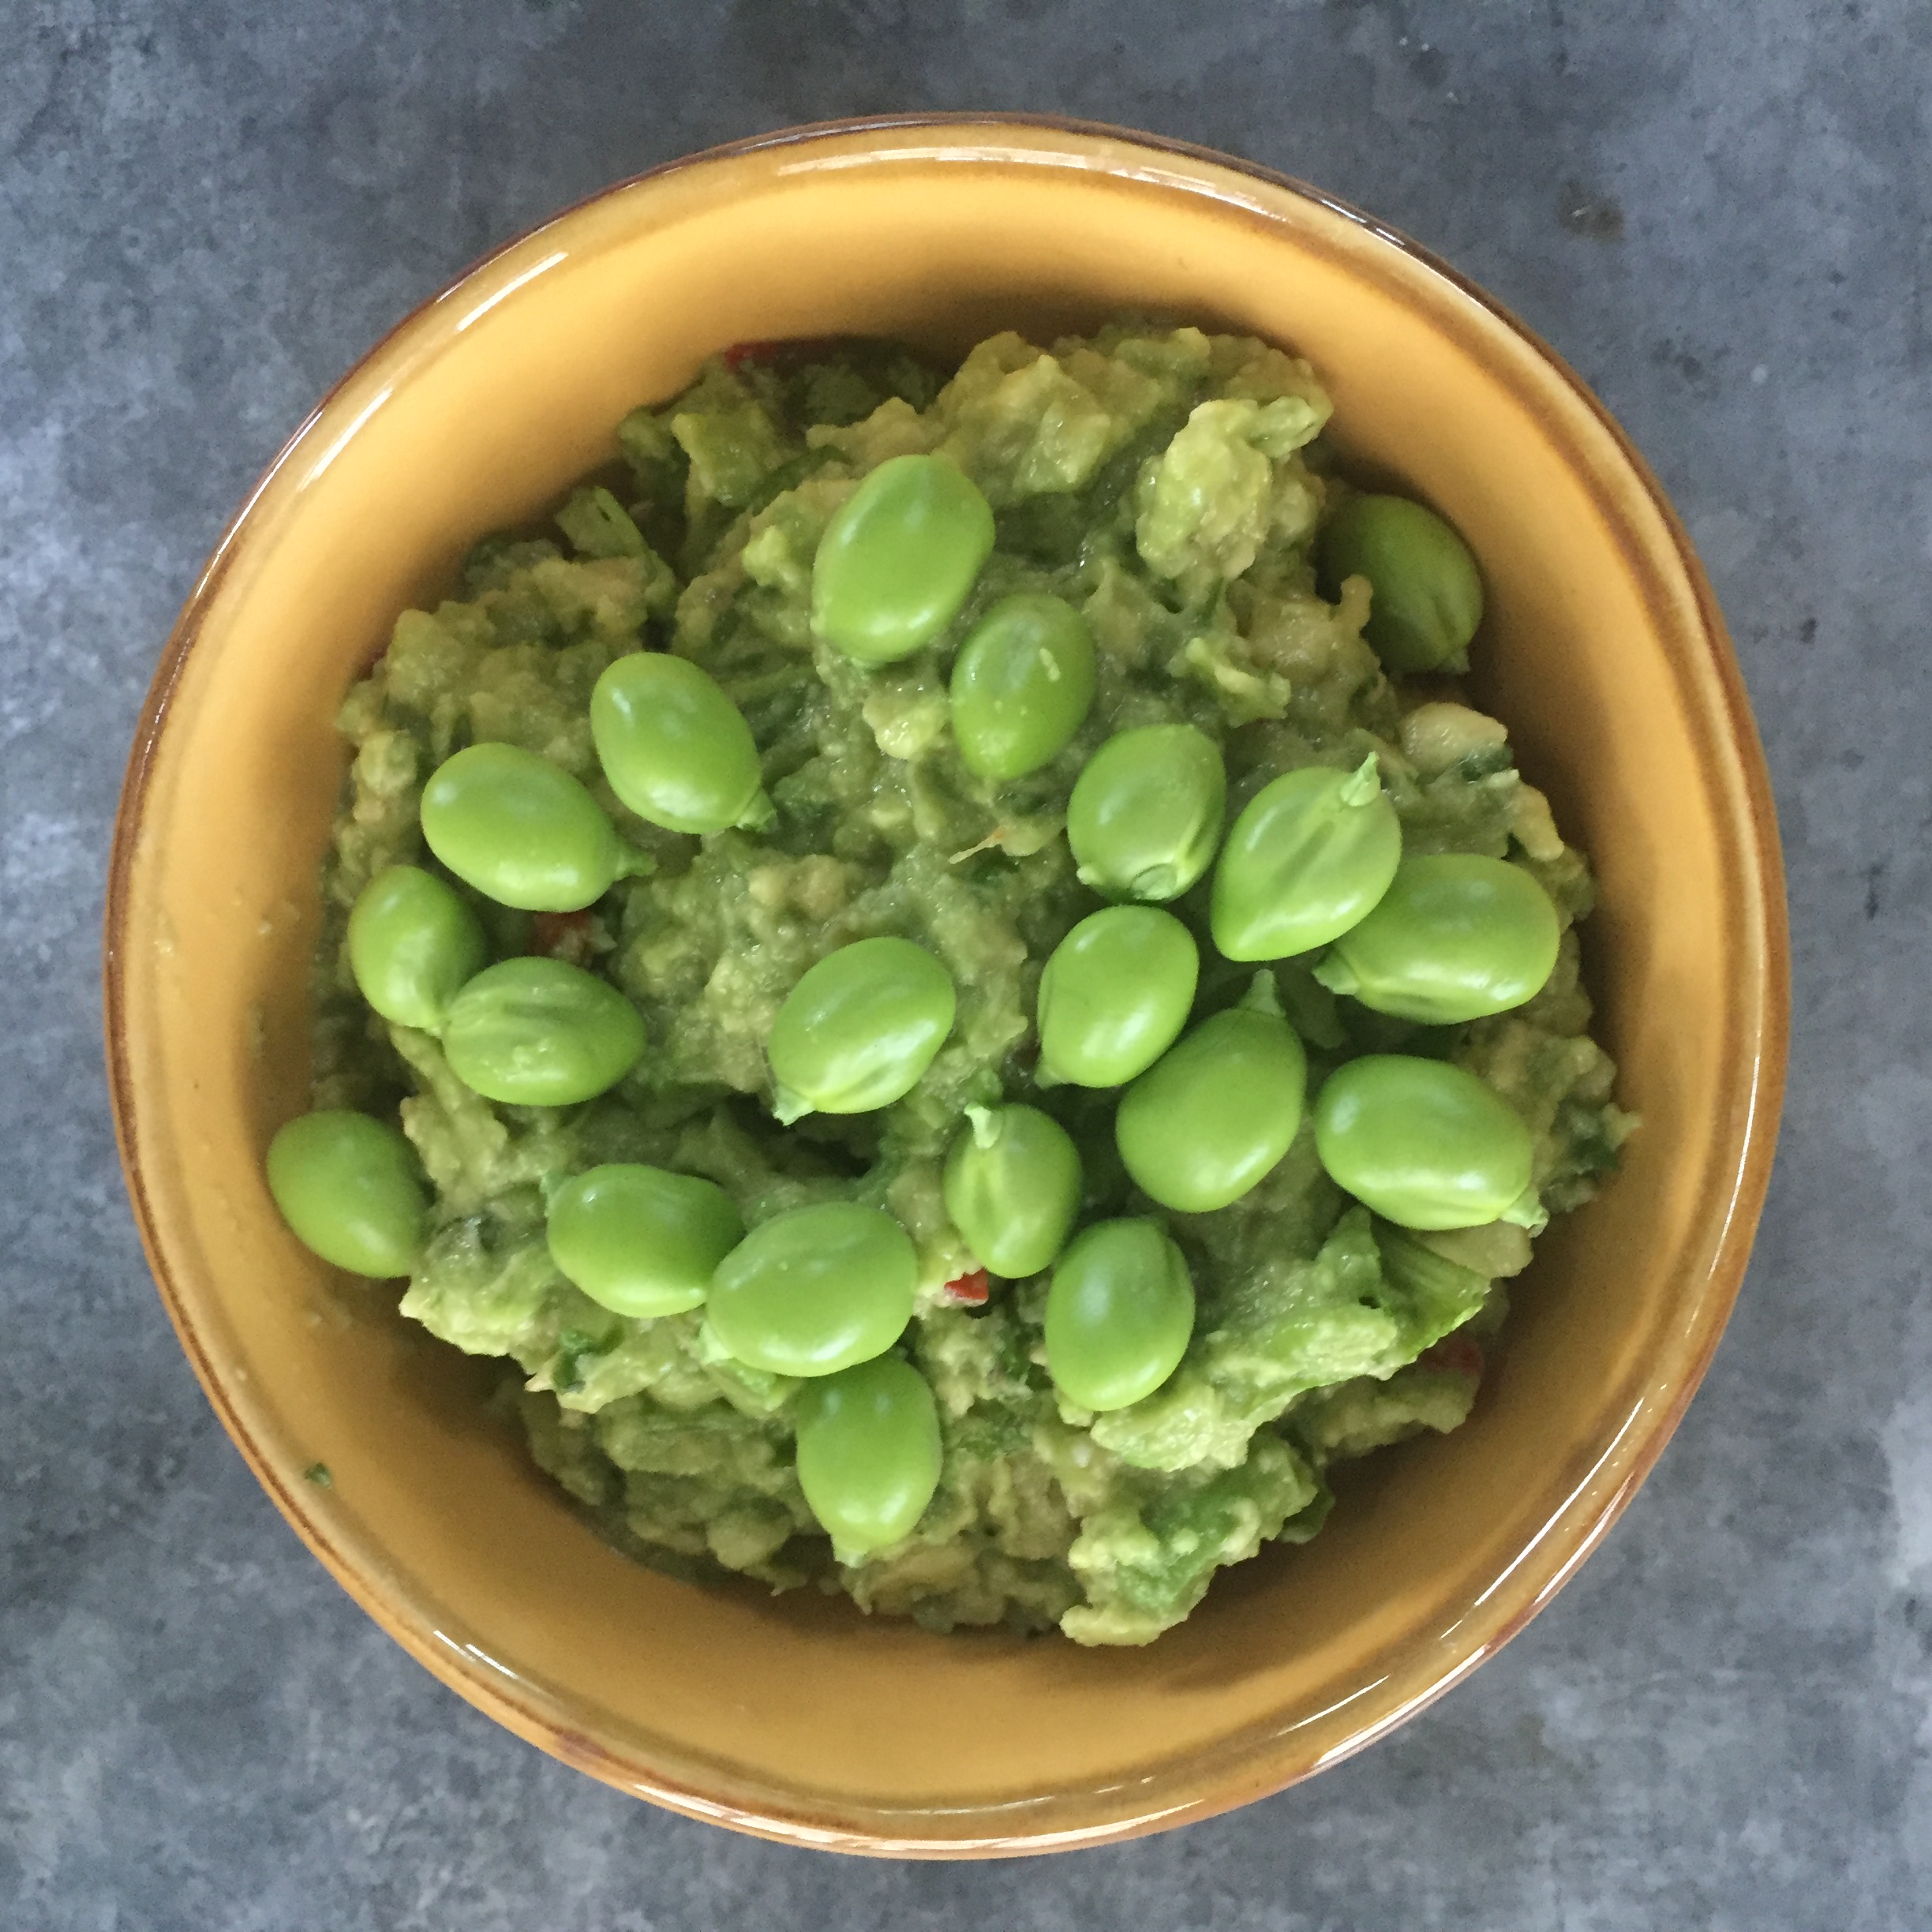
1163,1801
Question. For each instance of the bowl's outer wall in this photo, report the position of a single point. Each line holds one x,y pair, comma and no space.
796,1717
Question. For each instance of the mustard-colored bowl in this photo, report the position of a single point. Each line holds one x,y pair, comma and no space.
797,1717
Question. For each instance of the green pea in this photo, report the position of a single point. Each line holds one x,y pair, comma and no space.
869,1454
1022,685
522,831
859,1029
1012,1187
1120,1311
1423,1143
1114,996
675,748
816,1290
1145,814
537,1032
351,1190
1214,1115
640,1241
1456,937
898,558
1309,855
413,940
1428,597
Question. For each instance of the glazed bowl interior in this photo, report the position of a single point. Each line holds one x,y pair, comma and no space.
796,1716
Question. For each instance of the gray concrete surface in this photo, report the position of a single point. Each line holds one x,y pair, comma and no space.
208,209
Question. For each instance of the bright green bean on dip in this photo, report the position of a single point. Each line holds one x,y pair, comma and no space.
640,1241
1456,937
815,1290
1012,1187
1309,858
857,1031
414,942
1145,816
1119,1314
853,1059
1425,1144
351,1189
1428,597
540,1032
1022,685
1214,1115
522,831
1114,996
898,560
675,748
870,1453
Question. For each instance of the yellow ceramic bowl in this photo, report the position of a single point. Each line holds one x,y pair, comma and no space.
797,1717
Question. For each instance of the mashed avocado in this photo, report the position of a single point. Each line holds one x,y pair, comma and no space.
1170,483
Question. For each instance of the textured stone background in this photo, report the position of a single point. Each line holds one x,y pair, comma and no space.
208,209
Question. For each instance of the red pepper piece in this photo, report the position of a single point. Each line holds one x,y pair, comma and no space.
1459,1354
798,348
563,936
970,1290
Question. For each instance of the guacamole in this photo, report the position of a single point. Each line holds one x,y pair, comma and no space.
1171,486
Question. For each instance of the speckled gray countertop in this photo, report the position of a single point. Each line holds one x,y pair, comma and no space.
1720,215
